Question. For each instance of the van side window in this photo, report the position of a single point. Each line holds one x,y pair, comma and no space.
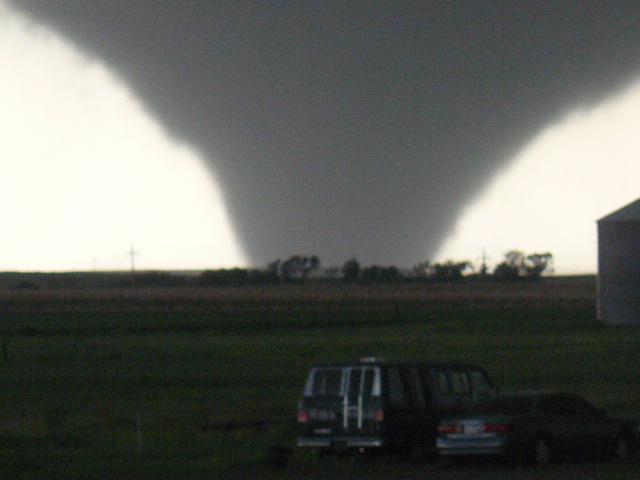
423,375
442,381
412,387
397,394
460,382
418,390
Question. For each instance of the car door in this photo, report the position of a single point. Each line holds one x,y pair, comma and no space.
559,420
598,430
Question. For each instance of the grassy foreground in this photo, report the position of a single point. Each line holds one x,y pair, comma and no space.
203,383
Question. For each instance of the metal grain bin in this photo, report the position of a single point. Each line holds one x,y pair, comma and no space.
619,266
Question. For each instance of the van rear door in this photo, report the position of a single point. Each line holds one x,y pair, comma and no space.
362,391
339,407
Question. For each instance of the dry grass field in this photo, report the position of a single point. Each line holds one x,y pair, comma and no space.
201,382
311,296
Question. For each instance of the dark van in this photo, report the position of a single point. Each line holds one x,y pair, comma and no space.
374,405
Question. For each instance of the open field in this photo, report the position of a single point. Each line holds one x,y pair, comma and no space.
199,383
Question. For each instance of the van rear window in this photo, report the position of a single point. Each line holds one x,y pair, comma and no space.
326,381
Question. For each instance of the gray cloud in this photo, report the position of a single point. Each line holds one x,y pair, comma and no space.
355,128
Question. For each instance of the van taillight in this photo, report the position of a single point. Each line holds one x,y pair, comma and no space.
378,415
303,416
448,428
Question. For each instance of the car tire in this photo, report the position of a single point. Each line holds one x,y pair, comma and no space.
541,451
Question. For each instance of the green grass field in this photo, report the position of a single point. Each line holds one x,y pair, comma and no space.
200,383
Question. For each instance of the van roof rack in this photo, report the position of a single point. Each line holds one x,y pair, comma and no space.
372,359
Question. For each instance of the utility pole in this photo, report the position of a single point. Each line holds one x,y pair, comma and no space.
132,254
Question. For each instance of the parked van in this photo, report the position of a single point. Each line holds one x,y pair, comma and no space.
374,405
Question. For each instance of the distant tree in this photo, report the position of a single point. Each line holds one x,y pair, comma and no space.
376,274
504,271
298,267
290,267
514,258
351,270
536,263
516,264
421,270
259,277
332,272
449,270
313,265
511,266
272,270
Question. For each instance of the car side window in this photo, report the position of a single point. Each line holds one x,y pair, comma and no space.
480,384
441,381
397,394
414,387
460,382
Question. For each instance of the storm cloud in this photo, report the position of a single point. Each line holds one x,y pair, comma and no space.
361,129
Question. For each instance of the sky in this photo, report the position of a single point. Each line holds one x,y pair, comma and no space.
88,179
388,131
549,197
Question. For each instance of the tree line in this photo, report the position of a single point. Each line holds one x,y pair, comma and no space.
297,269
300,268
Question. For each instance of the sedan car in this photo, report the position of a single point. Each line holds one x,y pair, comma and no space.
537,426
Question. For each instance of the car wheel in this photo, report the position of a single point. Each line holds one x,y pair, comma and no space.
541,454
624,447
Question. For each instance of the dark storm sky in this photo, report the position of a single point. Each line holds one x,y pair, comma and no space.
355,128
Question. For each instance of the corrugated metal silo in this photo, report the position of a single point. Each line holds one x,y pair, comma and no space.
619,266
